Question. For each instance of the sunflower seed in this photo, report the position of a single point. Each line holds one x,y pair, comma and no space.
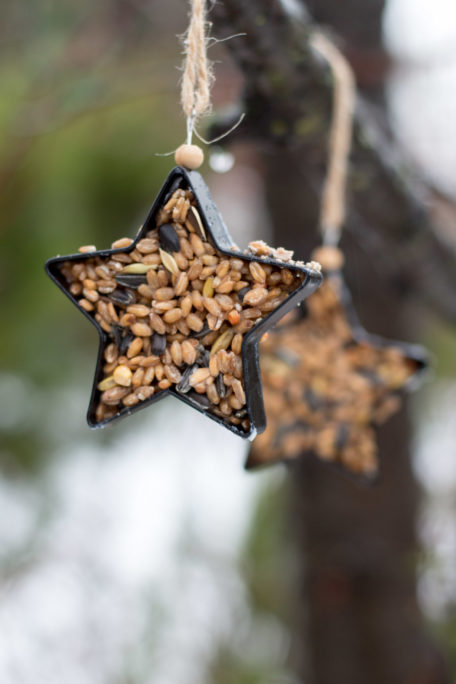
168,238
220,386
125,342
199,400
242,292
201,333
204,358
184,385
130,279
194,219
158,345
117,332
122,297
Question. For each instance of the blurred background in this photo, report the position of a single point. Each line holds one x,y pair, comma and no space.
144,553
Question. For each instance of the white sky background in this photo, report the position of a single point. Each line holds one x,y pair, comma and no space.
421,35
135,547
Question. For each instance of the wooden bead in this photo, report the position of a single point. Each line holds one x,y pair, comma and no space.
331,258
190,156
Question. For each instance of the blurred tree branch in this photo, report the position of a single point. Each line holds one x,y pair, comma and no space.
287,98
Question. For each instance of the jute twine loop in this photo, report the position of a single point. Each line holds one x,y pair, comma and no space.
333,206
197,73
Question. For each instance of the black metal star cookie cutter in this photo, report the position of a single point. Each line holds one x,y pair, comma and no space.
222,241
415,353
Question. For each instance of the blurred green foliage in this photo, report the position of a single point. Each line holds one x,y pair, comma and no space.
87,101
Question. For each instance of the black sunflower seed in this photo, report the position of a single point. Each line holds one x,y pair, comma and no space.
130,279
127,339
122,297
158,344
168,238
203,358
204,331
199,400
174,186
242,292
116,333
184,385
220,386
342,436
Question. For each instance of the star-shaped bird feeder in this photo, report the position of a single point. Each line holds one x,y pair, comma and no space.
180,310
328,384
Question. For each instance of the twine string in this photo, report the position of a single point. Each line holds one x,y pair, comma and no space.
197,73
333,205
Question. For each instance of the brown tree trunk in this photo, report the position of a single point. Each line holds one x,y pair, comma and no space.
359,618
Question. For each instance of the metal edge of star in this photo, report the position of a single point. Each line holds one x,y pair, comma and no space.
412,352
215,226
